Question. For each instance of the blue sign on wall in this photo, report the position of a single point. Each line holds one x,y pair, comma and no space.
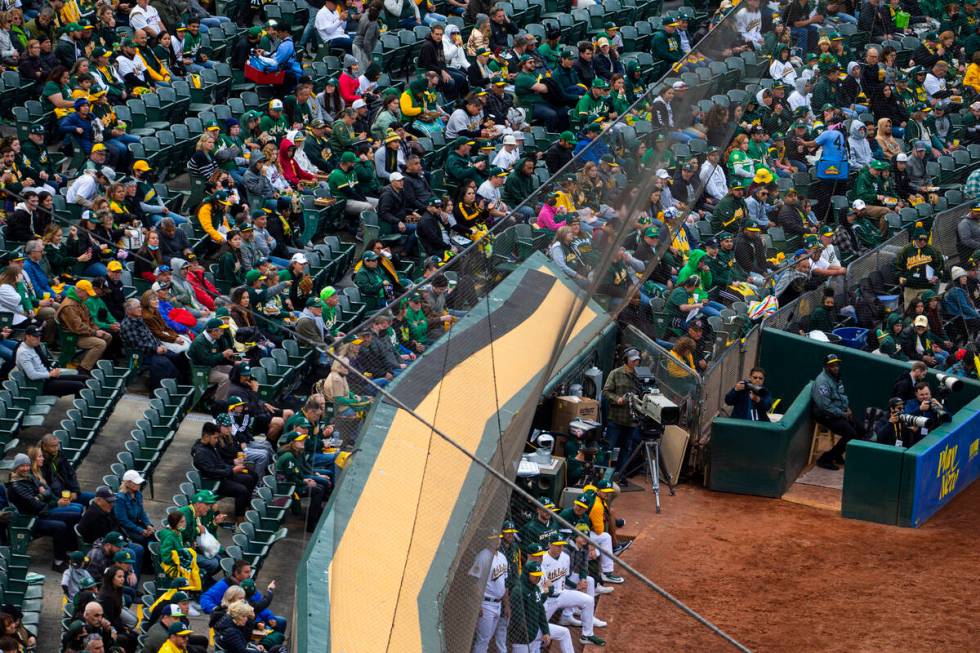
948,466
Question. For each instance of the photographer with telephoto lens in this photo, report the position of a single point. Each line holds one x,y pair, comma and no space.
892,429
924,405
749,398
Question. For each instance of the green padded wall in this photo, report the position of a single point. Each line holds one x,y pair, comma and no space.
761,458
872,482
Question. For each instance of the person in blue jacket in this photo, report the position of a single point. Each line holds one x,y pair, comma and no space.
77,125
747,404
240,572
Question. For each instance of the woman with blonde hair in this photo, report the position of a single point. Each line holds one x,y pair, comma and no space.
890,146
233,631
202,163
234,594
336,389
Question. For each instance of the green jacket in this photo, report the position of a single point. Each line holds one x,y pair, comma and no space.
190,533
205,353
729,213
228,271
314,148
666,47
371,284
458,170
620,382
527,614
589,109
867,232
172,542
828,395
288,467
868,188
825,92
518,186
728,259
274,126
534,532
722,271
342,137
100,313
691,268
343,185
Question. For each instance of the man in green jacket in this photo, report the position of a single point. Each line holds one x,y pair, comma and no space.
370,281
206,352
665,44
827,89
731,209
528,623
520,183
458,167
292,467
592,105
200,518
317,147
870,188
274,121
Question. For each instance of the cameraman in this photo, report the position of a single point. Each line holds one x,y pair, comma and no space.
622,429
751,403
925,406
890,430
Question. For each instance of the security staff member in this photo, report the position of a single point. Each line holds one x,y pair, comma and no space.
831,409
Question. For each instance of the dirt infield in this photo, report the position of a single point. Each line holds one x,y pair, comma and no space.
779,576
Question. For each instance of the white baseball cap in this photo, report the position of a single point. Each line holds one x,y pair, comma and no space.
299,257
662,174
902,157
133,476
510,140
358,103
858,205
396,176
678,85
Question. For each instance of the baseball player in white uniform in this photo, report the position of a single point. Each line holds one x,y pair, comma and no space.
491,564
555,568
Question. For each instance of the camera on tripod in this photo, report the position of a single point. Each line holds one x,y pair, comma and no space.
948,383
649,403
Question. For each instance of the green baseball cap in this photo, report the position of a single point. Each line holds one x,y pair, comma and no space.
567,136
115,538
600,83
204,496
348,157
253,275
224,419
651,232
369,256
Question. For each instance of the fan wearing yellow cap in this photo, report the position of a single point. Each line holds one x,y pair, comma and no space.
291,465
74,317
832,409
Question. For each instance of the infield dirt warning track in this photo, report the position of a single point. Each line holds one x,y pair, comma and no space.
781,576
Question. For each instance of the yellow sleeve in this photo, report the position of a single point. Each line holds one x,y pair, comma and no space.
597,516
204,218
407,106
972,78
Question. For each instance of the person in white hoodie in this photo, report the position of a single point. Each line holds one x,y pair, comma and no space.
453,47
857,141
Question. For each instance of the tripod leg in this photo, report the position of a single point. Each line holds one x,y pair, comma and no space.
653,468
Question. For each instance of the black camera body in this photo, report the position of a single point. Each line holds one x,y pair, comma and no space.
752,387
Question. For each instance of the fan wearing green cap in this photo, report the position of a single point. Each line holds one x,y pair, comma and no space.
532,94
459,166
199,518
918,265
731,210
371,282
872,188
343,182
592,106
176,559
292,466
831,408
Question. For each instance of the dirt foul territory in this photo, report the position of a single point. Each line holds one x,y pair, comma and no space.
780,576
